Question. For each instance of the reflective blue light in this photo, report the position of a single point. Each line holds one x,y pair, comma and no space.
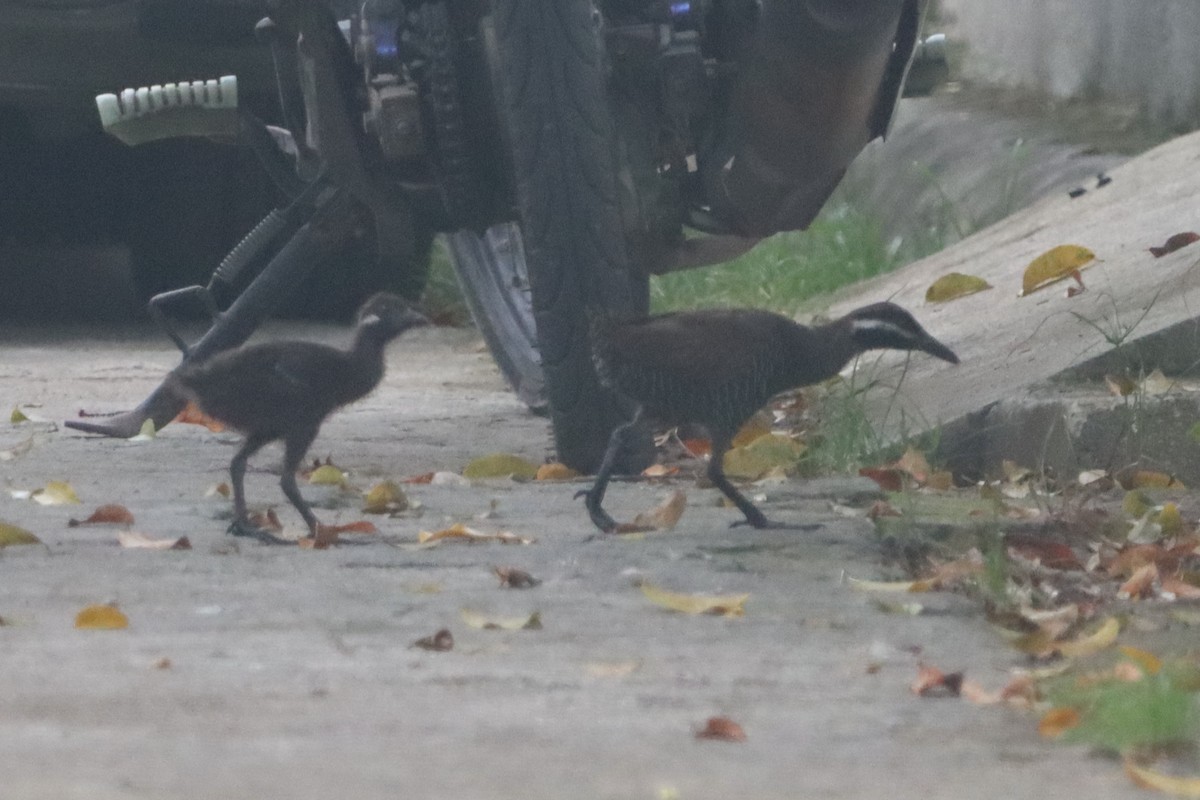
679,9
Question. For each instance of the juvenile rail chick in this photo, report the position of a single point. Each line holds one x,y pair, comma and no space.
285,390
717,367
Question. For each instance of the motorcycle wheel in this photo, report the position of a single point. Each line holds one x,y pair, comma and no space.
530,282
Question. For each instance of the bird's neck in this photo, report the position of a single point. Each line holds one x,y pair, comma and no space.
816,354
367,353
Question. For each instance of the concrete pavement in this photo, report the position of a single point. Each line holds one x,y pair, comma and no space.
292,672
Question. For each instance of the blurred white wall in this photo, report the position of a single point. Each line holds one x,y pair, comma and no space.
1141,51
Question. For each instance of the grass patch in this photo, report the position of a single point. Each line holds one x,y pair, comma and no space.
1120,715
785,271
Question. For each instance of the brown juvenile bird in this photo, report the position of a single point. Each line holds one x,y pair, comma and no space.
716,367
285,390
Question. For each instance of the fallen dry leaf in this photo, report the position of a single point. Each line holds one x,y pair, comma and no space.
17,416
439,642
1140,584
13,535
500,465
192,415
881,508
425,477
55,493
757,426
1161,782
268,520
328,475
1149,479
109,514
140,541
162,663
932,682
730,605
880,586
555,471
613,669
1149,663
888,479
767,452
385,498
954,285
721,729
101,618
1104,636
1054,265
485,622
1120,385
1176,242
461,533
659,471
699,448
515,578
147,432
1057,721
662,517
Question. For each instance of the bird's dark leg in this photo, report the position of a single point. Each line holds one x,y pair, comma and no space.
595,495
241,525
295,445
716,474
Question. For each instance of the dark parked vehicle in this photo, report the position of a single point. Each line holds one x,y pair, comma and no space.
564,147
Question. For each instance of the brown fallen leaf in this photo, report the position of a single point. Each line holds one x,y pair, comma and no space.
267,520
888,479
555,471
662,517
1120,385
1057,721
659,471
192,415
439,642
1147,662
514,578
932,682
721,729
424,477
101,618
364,526
699,448
461,533
140,541
881,508
162,663
109,514
1140,584
1176,242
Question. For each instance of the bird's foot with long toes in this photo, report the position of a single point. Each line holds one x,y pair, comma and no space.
244,527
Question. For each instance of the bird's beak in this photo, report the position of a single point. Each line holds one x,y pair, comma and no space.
935,348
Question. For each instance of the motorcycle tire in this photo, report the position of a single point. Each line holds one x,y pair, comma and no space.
529,283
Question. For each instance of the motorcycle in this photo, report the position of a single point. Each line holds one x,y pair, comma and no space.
567,150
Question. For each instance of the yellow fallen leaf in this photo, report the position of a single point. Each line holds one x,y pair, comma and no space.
1054,265
881,586
757,426
1169,519
101,618
762,455
555,471
17,416
484,622
1148,479
1167,784
954,285
328,475
500,465
1150,663
55,493
140,541
915,464
11,535
730,605
1104,636
385,497
660,518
